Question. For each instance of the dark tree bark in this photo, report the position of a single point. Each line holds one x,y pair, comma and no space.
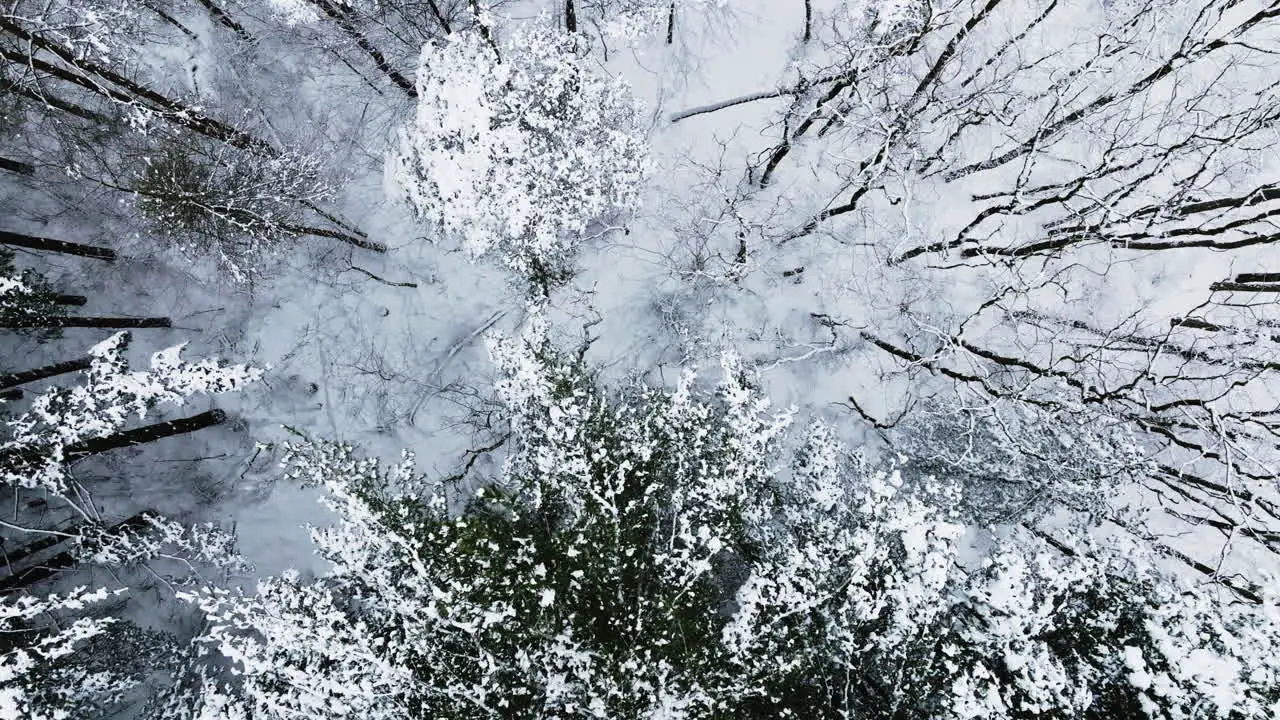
1258,277
1243,287
484,29
47,99
570,17
32,242
74,300
226,20
86,322
147,433
15,166
65,560
32,575
440,18
174,22
808,20
1195,324
671,22
336,235
126,91
380,60
41,373
27,576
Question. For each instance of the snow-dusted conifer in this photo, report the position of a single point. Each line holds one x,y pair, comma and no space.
63,658
214,200
32,652
670,554
518,155
153,540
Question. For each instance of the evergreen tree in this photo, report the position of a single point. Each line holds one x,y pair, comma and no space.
214,200
29,304
671,553
519,152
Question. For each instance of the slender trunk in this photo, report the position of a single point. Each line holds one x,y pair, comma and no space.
440,18
671,22
40,544
10,380
570,17
334,219
1258,277
808,20
363,43
485,32
32,242
344,237
43,571
15,166
48,100
191,35
1243,287
86,322
1194,324
65,560
226,20
146,434
130,92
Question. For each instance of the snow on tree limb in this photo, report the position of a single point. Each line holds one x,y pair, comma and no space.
519,156
681,553
38,442
21,664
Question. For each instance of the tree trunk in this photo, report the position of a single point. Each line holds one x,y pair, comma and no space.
1243,287
344,237
226,20
146,434
59,246
570,17
11,395
9,380
65,560
363,43
47,99
86,322
1258,277
440,18
671,22
808,20
484,30
173,21
74,300
14,166
129,92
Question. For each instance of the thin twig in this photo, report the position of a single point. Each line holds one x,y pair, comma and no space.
384,281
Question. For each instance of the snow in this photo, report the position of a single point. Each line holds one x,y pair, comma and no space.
659,281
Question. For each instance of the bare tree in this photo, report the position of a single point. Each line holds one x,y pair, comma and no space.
73,75
1018,195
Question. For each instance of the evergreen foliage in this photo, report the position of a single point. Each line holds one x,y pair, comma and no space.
679,554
